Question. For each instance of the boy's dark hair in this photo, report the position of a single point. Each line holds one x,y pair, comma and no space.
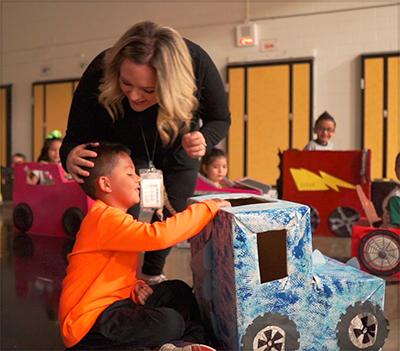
397,160
210,157
19,154
325,117
107,157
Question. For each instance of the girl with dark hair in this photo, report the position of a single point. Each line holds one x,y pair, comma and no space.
214,166
50,154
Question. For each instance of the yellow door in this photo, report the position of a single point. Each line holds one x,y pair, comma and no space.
301,101
38,119
271,112
393,116
381,126
235,140
52,102
5,125
373,113
268,120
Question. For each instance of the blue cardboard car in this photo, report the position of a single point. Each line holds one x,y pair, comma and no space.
260,286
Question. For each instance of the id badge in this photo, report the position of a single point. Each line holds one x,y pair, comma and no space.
151,188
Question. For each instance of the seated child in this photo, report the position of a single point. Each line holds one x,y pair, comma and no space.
391,204
214,166
325,127
103,305
7,173
50,154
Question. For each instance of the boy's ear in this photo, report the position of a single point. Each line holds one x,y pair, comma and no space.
104,184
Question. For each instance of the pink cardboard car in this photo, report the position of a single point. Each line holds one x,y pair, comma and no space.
54,208
244,185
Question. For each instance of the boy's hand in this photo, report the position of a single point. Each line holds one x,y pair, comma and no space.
222,203
142,292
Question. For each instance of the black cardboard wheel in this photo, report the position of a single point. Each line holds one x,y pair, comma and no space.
72,220
23,217
342,219
362,327
271,331
315,218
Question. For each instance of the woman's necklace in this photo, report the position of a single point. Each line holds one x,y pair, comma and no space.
152,169
151,160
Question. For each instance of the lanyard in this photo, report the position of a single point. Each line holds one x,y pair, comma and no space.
151,164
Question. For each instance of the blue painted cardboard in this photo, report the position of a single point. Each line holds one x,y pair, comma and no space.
315,306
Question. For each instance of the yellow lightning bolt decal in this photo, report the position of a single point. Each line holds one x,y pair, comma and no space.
308,181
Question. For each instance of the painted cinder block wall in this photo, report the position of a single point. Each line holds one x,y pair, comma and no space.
68,35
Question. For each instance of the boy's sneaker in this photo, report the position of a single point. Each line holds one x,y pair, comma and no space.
152,279
190,347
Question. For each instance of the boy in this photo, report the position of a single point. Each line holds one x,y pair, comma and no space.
325,129
7,173
103,305
391,204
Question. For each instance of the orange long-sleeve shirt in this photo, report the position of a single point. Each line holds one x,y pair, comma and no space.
102,265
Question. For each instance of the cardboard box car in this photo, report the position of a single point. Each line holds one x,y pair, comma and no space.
260,287
55,208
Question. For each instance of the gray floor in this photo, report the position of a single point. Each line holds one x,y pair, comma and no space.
32,268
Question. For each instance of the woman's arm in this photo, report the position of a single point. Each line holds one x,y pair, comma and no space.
86,117
88,121
213,105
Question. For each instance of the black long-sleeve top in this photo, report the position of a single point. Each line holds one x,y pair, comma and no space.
89,121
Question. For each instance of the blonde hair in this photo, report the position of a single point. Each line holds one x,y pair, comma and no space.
164,49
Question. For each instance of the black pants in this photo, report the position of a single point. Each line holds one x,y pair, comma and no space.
171,313
179,186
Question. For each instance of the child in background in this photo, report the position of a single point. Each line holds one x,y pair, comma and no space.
50,154
325,128
391,204
18,158
214,166
7,173
103,305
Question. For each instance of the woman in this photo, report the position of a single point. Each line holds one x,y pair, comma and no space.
149,92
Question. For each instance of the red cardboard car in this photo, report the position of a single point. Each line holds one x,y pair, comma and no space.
326,181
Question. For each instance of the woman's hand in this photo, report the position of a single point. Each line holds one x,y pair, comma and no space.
194,144
76,160
142,292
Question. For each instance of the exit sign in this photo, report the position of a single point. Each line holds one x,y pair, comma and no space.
246,34
246,41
